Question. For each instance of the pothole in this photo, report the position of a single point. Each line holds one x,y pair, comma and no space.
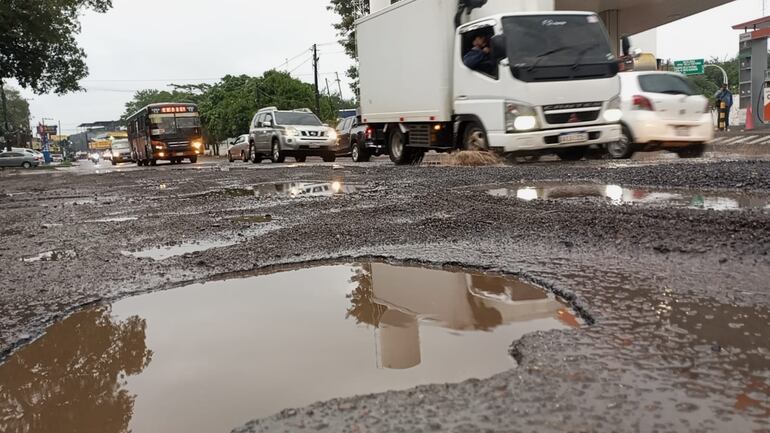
51,256
167,251
208,356
112,220
618,195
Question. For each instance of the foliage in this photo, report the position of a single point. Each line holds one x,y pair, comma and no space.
18,112
348,11
228,106
38,46
709,83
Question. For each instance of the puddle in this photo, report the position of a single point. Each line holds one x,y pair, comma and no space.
619,195
168,251
113,220
305,189
253,219
207,357
51,256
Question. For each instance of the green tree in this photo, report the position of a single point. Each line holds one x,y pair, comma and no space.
38,46
17,117
349,11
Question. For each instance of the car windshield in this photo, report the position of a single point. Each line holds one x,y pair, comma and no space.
120,144
556,40
665,83
296,118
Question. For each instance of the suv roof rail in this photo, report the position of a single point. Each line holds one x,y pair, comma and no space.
303,110
268,109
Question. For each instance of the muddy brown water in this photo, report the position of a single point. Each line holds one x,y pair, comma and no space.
209,357
618,195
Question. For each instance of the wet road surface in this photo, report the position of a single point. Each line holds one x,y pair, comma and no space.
676,295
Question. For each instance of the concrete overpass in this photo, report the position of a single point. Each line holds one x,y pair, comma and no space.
622,17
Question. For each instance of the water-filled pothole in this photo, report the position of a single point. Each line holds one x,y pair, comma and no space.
51,256
308,188
619,195
207,357
168,251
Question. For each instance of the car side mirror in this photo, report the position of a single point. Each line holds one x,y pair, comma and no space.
499,47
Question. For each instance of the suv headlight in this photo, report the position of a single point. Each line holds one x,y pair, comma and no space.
332,134
520,117
291,132
613,113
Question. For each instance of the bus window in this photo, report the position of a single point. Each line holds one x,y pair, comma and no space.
188,122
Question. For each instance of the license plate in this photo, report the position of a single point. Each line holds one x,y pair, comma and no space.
178,153
682,131
572,138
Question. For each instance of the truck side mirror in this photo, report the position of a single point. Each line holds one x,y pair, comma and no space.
499,47
625,43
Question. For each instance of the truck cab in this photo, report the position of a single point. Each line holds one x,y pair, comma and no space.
554,84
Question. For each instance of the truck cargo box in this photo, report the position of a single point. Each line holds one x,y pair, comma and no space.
405,54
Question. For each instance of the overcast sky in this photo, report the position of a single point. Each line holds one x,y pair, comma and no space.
203,40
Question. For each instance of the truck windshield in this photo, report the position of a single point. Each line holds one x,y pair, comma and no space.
543,47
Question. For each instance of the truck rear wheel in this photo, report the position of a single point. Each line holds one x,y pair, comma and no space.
193,160
397,149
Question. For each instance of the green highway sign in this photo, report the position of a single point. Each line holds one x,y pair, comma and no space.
689,67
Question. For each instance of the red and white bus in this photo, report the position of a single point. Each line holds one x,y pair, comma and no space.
166,132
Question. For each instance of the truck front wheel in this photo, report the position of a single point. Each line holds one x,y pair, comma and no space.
572,153
475,138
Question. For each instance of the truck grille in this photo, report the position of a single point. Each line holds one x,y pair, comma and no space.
573,117
419,134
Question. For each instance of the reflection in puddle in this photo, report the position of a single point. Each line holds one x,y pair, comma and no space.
51,256
618,195
113,220
305,189
168,251
228,351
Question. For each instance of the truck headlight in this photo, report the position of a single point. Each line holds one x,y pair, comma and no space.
197,144
520,117
613,112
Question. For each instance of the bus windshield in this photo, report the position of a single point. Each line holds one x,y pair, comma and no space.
165,124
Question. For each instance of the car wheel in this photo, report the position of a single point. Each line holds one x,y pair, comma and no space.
138,162
114,163
623,148
193,160
329,157
153,162
244,157
230,157
572,153
359,153
300,158
474,138
277,155
26,164
256,158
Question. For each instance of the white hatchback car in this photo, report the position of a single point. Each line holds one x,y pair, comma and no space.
662,111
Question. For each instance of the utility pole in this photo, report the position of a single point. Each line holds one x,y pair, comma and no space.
315,74
339,83
328,89
6,128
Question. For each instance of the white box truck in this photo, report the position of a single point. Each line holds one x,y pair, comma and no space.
552,85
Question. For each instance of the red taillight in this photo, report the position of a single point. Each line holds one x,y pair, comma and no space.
642,103
369,133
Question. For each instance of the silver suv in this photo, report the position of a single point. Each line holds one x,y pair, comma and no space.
276,134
